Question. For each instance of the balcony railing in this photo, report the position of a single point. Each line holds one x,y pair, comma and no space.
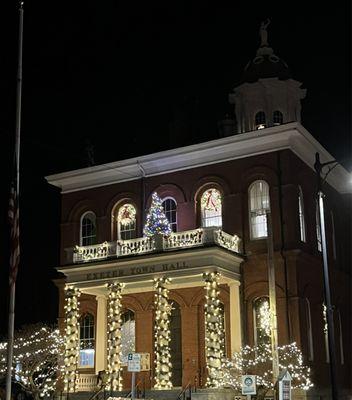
145,245
86,383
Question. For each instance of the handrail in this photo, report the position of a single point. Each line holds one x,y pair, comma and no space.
181,395
136,386
95,394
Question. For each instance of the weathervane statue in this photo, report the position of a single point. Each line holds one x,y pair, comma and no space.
263,33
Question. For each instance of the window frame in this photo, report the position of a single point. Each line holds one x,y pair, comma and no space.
119,231
301,216
255,326
250,212
130,312
204,218
165,212
93,339
260,120
278,114
81,237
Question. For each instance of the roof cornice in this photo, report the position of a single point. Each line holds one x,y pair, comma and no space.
292,136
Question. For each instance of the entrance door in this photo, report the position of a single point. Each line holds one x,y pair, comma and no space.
176,345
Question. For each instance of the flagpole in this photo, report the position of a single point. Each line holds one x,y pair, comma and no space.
17,152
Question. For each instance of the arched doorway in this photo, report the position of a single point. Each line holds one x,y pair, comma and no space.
176,345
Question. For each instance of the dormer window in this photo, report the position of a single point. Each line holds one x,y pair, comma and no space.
277,118
260,120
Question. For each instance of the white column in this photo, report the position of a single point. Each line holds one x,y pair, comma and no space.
114,336
235,317
162,336
101,335
71,337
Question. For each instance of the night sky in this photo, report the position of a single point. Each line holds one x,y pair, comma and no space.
118,75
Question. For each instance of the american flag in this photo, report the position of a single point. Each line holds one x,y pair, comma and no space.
15,234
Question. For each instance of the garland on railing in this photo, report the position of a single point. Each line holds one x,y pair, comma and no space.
131,247
228,241
72,336
86,252
114,336
162,335
181,239
214,335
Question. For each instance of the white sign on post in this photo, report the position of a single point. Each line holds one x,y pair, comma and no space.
249,384
138,362
134,362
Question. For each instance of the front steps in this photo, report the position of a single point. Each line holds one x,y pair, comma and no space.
171,394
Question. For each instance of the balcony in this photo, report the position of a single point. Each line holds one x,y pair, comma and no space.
145,245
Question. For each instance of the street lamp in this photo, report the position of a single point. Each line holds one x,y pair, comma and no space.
318,166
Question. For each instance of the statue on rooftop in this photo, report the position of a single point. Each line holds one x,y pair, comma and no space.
263,33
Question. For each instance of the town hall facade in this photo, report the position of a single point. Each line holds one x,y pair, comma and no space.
217,197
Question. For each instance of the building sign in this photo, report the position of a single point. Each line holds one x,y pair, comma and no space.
137,362
249,384
137,270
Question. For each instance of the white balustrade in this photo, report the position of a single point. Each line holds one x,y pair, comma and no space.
135,246
229,242
177,240
183,239
93,252
86,383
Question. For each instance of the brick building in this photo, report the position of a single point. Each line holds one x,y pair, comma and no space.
216,196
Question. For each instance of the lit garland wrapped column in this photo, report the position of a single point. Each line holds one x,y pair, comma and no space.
162,335
214,330
114,336
72,336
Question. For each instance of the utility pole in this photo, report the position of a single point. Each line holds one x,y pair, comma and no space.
318,166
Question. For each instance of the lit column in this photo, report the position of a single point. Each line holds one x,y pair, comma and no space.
214,330
235,317
71,337
162,335
101,333
114,336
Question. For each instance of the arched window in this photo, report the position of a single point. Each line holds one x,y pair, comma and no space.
88,234
128,335
259,204
309,330
260,120
302,224
211,208
169,205
87,341
333,235
126,222
261,316
317,227
277,117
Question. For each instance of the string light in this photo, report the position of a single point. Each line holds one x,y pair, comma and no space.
36,353
72,336
214,330
257,360
156,223
162,335
114,336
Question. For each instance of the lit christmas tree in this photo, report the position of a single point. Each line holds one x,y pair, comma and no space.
157,223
